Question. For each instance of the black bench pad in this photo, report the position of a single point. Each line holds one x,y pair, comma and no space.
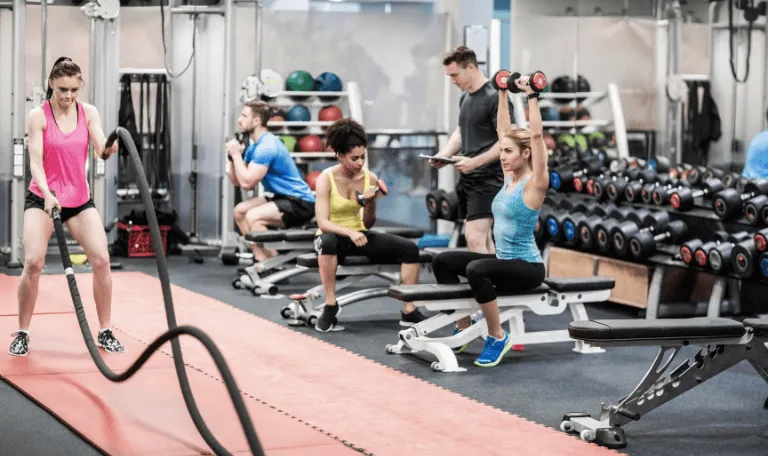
676,328
565,285
309,260
436,292
760,325
309,235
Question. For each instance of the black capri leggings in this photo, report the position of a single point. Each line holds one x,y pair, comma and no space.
486,273
388,248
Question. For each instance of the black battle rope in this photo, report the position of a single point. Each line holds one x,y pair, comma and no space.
173,333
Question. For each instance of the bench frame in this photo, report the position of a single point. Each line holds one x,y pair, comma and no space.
267,284
660,384
511,308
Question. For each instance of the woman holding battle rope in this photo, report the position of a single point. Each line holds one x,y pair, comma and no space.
517,264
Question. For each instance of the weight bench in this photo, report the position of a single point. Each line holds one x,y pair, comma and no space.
305,308
290,244
724,343
454,302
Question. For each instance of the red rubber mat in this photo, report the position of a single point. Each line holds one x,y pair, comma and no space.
306,383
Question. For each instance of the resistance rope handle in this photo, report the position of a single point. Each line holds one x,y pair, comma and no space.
174,330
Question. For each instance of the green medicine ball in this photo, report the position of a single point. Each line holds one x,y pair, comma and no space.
290,143
299,81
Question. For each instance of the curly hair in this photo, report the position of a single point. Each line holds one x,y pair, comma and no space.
64,67
344,135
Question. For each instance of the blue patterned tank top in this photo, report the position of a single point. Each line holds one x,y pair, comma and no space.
513,225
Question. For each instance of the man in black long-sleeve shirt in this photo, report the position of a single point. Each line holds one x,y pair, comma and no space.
477,140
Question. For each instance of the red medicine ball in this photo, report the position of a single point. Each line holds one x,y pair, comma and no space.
330,114
311,143
312,179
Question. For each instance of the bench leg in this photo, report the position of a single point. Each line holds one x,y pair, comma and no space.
579,313
268,285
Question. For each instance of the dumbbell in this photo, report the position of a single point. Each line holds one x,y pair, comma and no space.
730,180
744,255
651,222
380,187
562,179
721,256
587,229
449,206
600,186
634,191
643,243
694,175
433,202
701,254
660,195
682,199
660,164
756,210
571,222
603,230
554,221
617,188
242,138
505,80
688,248
728,203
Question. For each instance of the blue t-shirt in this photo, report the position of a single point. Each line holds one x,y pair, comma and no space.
756,165
513,225
283,176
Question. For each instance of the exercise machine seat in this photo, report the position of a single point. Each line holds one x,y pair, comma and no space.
759,325
673,329
309,235
309,260
436,292
265,236
565,285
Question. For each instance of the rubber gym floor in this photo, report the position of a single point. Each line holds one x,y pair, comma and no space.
724,416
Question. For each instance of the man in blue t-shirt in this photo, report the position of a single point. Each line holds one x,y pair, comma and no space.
267,161
756,166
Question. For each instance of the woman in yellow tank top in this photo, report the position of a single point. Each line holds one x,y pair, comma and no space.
343,224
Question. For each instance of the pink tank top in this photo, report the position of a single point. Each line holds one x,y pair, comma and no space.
64,158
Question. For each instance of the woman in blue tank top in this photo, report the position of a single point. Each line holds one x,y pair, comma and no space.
517,263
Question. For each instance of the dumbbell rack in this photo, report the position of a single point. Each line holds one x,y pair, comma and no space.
350,103
611,94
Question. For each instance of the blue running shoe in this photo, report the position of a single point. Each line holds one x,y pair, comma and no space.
494,350
456,330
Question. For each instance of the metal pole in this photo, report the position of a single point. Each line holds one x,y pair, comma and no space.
678,48
258,38
194,219
44,41
17,130
226,186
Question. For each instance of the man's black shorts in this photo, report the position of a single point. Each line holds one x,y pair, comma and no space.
296,212
34,201
476,198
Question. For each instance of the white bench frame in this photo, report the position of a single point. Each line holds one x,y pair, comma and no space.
511,308
267,285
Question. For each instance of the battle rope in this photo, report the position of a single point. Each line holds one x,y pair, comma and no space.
173,333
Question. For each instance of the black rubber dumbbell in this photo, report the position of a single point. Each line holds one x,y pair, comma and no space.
730,180
553,222
540,230
683,199
761,240
617,189
652,222
688,248
744,256
756,209
713,173
721,256
571,222
695,175
603,230
701,255
643,243
600,186
660,195
561,179
729,203
380,187
587,228
634,191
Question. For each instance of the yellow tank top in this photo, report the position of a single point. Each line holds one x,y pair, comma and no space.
345,212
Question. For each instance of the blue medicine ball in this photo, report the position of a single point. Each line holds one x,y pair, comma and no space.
328,82
298,113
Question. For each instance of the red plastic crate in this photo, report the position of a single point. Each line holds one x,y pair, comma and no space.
138,240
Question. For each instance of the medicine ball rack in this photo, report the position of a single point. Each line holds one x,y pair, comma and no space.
574,126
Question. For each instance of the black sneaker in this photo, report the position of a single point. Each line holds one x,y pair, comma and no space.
409,319
108,342
327,321
20,344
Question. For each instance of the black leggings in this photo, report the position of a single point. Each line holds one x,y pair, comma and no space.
388,248
486,273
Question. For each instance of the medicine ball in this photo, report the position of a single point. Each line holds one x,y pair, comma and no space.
311,179
299,81
330,113
549,114
328,82
298,113
290,142
310,143
563,84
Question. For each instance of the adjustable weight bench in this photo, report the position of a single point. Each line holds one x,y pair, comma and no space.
290,244
454,302
724,343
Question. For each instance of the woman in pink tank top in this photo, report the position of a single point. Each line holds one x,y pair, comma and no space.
58,135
